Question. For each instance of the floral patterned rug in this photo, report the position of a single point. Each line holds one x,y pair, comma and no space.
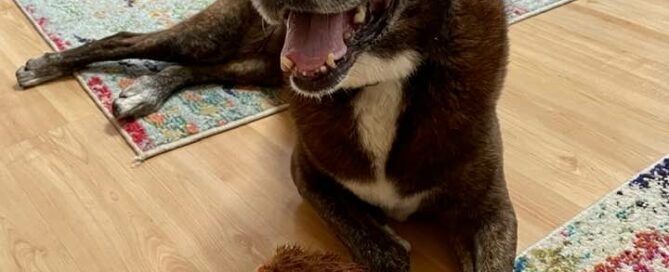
627,231
192,114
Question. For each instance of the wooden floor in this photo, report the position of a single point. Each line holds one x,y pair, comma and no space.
585,108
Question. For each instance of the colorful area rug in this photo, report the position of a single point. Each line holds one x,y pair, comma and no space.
627,231
193,114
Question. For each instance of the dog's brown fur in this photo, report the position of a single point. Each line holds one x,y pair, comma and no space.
447,140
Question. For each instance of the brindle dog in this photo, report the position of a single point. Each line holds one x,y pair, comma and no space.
394,102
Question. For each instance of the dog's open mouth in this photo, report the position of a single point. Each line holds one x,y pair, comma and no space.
320,48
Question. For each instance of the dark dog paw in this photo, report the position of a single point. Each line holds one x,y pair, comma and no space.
393,257
40,70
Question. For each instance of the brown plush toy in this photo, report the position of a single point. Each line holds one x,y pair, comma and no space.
296,259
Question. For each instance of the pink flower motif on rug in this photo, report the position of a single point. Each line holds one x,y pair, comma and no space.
43,22
651,248
101,91
137,133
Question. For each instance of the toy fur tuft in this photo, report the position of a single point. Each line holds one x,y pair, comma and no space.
293,258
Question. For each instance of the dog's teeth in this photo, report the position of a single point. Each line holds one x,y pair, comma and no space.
361,15
286,64
324,69
304,74
331,61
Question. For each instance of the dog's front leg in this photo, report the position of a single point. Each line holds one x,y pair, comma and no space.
357,224
486,240
495,242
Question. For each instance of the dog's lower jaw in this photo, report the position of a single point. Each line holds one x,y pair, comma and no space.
311,94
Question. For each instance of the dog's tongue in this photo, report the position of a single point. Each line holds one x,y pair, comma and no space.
312,37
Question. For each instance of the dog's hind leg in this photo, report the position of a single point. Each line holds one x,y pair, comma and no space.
208,37
148,93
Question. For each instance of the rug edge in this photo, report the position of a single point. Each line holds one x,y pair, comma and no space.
211,132
539,11
592,205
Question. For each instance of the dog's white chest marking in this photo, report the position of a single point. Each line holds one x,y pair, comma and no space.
377,109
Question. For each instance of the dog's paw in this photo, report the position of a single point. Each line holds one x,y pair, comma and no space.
40,70
391,254
142,98
394,259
